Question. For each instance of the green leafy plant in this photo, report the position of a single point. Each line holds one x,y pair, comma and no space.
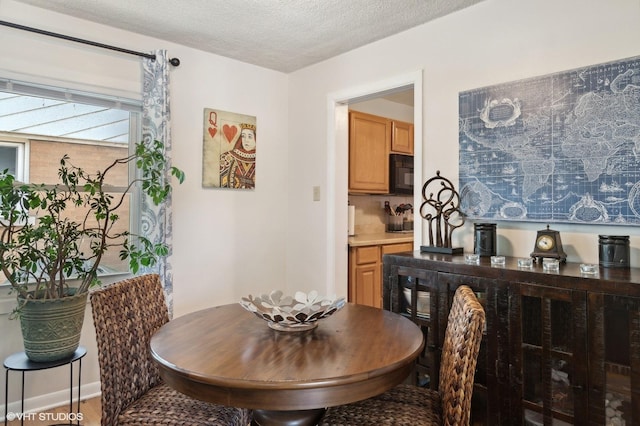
42,247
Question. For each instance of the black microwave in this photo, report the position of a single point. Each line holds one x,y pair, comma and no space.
400,174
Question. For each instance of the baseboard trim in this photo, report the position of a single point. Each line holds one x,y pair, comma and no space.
42,403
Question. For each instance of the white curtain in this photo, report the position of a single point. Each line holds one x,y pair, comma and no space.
157,220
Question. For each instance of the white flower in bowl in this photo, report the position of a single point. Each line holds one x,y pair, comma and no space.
307,301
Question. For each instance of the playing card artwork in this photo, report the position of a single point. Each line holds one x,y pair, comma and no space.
229,150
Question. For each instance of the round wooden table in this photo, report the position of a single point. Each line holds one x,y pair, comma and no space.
228,356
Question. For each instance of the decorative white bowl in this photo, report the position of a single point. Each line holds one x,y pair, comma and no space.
298,313
424,301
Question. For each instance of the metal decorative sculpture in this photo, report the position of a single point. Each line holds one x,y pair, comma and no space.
441,209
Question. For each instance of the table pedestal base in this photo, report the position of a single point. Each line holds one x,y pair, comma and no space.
287,418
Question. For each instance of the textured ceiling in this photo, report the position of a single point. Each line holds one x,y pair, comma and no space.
283,35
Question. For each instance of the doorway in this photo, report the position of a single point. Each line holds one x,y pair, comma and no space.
337,167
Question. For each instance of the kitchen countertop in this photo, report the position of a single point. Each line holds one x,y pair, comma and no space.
380,238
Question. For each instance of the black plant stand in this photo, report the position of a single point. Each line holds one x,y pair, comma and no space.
20,362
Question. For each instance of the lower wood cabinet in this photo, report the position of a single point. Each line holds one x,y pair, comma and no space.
558,348
365,283
365,271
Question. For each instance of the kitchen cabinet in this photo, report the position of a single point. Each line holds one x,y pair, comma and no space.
558,348
365,278
369,146
401,137
371,140
365,271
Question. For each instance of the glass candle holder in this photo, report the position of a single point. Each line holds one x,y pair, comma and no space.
472,258
497,260
551,265
588,269
525,262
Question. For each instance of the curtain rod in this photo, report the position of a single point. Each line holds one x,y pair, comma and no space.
173,61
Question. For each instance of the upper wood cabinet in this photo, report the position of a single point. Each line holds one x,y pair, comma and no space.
369,146
402,137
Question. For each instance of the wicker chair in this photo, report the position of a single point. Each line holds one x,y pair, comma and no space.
126,314
415,406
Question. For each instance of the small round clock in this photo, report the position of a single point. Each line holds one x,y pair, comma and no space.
548,244
545,243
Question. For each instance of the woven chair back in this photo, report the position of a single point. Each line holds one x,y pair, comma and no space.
459,356
126,314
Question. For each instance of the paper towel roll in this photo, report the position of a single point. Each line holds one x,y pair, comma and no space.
352,220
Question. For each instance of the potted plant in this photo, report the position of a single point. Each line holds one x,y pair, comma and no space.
54,237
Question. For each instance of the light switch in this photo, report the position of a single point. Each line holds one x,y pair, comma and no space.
316,193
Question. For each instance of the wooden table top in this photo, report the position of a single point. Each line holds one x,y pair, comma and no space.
228,356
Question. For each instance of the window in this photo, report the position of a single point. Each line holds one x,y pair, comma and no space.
12,158
39,124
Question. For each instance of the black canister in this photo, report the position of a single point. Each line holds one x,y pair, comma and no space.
613,251
484,239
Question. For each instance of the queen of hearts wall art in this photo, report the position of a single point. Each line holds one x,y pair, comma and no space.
229,150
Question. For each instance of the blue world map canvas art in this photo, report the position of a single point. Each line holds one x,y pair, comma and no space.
558,148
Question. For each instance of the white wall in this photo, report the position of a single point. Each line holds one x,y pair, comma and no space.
492,42
384,108
227,243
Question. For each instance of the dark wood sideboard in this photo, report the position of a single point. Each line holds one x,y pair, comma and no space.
559,347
